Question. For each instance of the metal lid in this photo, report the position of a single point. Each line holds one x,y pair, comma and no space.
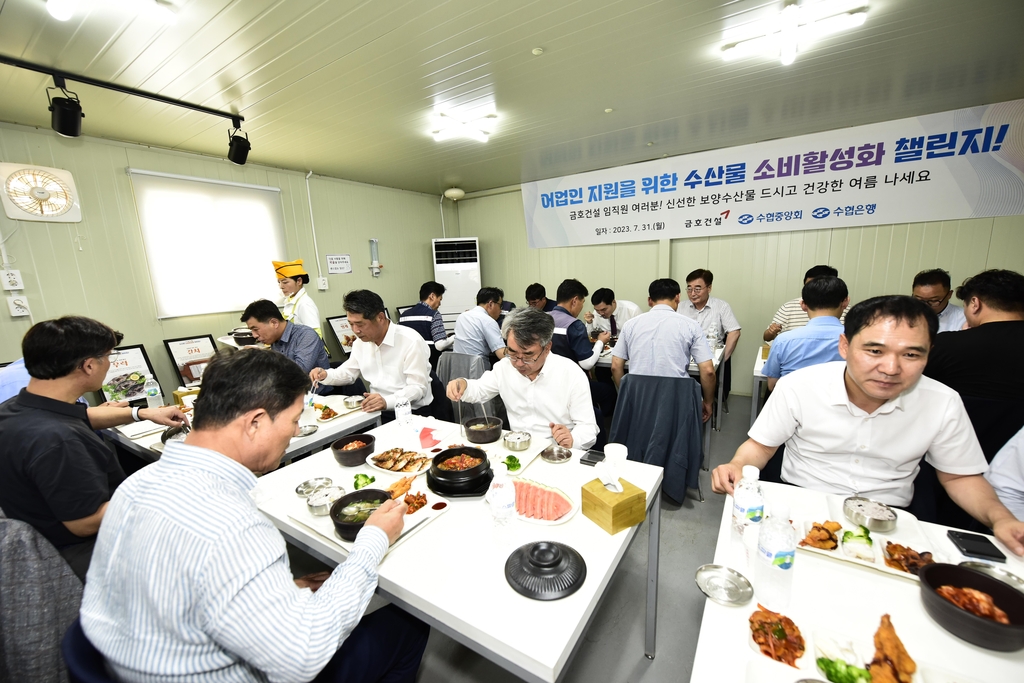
723,585
307,487
306,430
996,573
545,570
870,513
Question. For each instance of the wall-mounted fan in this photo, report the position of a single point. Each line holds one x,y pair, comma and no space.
37,193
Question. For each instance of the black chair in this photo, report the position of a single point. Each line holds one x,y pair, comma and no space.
85,662
440,406
659,420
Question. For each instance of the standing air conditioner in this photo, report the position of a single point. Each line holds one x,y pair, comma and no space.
457,267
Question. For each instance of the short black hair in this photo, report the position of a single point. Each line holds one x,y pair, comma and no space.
821,271
488,295
603,296
304,277
824,292
536,292
570,289
55,348
1002,290
896,306
935,276
364,302
665,288
262,310
236,382
701,274
428,288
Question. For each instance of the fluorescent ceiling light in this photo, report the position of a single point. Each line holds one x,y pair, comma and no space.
794,29
447,124
165,10
61,10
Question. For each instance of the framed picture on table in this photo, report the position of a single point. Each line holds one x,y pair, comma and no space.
126,377
190,356
342,331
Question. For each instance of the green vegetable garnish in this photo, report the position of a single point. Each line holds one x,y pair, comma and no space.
513,463
838,671
363,480
779,633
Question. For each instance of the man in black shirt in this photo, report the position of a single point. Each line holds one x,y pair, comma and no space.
985,365
55,472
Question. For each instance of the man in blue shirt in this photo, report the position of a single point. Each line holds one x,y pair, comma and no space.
476,331
823,299
13,379
298,343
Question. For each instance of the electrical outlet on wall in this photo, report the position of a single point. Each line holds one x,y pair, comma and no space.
18,305
12,279
321,284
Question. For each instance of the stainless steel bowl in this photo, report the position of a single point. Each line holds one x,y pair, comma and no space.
353,401
517,441
556,454
321,500
306,488
883,520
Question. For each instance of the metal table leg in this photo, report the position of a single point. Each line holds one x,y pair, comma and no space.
755,398
707,445
721,391
653,542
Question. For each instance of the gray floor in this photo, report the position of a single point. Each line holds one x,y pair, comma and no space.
613,648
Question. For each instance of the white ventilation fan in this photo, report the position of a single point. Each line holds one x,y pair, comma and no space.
37,193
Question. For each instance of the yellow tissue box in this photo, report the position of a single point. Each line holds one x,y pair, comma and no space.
614,512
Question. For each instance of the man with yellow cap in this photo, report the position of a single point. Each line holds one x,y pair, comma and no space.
297,306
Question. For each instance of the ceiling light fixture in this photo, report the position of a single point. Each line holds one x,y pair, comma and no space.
61,10
66,112
794,29
238,146
447,125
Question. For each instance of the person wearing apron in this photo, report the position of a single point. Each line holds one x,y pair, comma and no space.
297,306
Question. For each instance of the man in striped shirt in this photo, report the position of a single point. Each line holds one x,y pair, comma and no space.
790,315
190,582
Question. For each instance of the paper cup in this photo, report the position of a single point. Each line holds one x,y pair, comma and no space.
615,453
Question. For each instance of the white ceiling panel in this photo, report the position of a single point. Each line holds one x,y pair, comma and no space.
346,88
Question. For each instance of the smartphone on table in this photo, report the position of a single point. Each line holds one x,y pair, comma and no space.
975,545
592,457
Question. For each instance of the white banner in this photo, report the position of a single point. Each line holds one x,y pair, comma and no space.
967,163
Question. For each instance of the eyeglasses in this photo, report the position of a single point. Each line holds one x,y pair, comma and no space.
695,290
933,302
523,360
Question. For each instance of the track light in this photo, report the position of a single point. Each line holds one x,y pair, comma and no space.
66,112
238,146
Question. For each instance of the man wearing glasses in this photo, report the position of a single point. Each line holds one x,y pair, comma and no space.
933,288
544,393
55,472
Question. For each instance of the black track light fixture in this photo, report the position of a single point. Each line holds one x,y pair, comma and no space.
65,112
238,146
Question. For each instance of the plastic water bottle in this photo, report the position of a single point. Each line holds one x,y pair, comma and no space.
501,496
154,399
747,500
403,412
773,568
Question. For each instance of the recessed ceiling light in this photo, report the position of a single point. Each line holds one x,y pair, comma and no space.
475,124
608,111
61,10
794,29
537,51
650,144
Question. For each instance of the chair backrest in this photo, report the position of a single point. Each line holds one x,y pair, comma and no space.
452,365
39,597
659,421
85,662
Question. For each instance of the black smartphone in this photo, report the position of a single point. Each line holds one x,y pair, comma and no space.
592,458
974,545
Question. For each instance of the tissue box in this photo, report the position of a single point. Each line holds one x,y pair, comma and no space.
180,394
614,512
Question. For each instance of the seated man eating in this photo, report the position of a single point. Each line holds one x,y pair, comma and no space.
190,582
544,393
862,426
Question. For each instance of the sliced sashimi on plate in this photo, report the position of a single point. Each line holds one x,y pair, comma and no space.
540,504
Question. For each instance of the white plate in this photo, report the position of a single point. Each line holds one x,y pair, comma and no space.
425,467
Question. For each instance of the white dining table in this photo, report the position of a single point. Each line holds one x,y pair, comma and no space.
148,446
450,572
759,379
846,599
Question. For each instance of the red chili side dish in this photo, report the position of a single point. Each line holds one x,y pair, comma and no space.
353,445
459,463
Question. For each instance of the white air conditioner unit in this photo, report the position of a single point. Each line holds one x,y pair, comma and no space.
457,267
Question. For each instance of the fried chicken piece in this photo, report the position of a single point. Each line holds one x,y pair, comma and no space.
400,487
891,663
823,536
415,501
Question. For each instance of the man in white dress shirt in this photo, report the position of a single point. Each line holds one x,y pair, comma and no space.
609,315
861,427
476,331
544,393
190,582
933,287
393,360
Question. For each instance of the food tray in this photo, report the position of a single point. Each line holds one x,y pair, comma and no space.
496,452
908,532
341,411
324,527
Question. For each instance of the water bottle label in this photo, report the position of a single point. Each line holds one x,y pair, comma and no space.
153,392
783,559
749,515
